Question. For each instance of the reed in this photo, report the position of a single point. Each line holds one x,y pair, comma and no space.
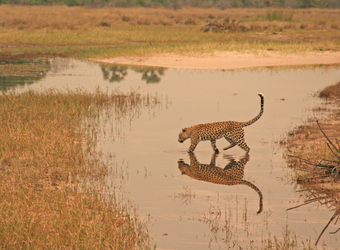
43,170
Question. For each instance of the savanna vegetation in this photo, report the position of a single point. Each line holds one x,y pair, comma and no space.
47,158
108,32
313,152
43,164
221,4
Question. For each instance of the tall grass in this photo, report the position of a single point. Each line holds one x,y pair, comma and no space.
43,161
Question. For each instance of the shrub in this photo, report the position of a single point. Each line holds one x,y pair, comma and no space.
71,3
279,15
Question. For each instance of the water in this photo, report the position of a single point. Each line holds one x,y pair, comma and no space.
182,212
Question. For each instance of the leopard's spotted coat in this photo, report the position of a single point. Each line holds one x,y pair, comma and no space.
232,131
232,174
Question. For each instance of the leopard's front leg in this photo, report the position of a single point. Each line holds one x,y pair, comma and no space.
213,144
194,140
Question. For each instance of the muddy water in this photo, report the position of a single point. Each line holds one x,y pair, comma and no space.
186,213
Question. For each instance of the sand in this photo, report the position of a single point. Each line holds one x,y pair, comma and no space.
229,60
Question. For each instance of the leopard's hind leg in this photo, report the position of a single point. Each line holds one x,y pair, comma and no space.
232,143
242,144
237,139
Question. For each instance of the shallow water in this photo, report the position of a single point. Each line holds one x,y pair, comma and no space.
185,213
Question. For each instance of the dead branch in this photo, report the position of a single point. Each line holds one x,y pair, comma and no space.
335,231
305,203
337,212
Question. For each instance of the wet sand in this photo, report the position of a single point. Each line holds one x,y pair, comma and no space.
230,60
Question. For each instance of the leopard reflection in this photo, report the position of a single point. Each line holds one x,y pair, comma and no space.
232,174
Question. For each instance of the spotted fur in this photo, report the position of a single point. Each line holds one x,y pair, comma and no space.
232,174
232,131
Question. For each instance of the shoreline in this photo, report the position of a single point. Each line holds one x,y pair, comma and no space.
228,61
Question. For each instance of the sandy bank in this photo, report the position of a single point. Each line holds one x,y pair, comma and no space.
229,60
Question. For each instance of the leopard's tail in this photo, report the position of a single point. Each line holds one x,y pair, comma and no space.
258,191
244,124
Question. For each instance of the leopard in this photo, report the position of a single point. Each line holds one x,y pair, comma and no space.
232,131
232,174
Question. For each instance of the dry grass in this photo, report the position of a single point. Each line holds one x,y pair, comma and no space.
316,167
75,18
315,162
307,140
43,165
332,92
106,32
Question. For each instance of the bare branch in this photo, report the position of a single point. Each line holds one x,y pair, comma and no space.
335,231
337,156
332,218
305,203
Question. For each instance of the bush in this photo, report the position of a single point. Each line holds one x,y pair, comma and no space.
222,4
71,3
279,15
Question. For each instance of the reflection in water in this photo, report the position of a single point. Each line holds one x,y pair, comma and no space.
151,74
10,82
117,73
20,72
321,189
232,174
59,64
114,73
324,196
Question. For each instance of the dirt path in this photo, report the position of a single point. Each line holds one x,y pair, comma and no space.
229,60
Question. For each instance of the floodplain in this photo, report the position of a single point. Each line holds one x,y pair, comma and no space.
91,157
141,153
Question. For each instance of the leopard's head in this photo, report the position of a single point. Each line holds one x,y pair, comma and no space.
183,135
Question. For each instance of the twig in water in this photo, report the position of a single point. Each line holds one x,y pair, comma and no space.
305,203
335,231
337,212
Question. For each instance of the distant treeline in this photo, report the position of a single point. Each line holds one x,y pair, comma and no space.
222,4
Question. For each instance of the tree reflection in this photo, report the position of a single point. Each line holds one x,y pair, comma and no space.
151,74
11,82
114,73
117,73
20,72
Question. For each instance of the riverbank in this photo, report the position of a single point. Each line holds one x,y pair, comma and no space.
229,60
312,151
